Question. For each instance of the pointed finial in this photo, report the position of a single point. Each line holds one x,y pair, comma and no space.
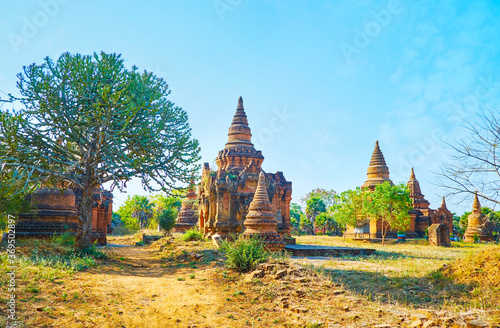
262,177
240,103
443,203
476,205
376,144
412,176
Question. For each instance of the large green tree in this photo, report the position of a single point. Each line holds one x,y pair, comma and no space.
87,121
349,209
142,210
390,204
314,206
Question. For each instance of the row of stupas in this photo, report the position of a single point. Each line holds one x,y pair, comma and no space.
421,215
238,197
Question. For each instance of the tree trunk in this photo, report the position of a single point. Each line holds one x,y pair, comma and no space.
83,239
384,232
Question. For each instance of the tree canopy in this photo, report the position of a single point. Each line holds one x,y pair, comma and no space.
390,204
349,209
87,121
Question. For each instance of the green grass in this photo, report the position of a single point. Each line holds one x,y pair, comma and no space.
406,274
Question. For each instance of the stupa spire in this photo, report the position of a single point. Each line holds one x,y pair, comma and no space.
378,172
239,132
476,206
239,151
412,175
443,203
377,157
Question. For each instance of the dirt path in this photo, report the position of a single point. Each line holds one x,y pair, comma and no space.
136,290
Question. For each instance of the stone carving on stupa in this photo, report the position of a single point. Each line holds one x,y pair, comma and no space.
261,219
225,193
478,225
188,216
377,172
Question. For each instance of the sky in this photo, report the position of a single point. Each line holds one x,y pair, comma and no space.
321,80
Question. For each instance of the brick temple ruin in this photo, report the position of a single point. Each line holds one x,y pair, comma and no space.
225,194
422,216
54,212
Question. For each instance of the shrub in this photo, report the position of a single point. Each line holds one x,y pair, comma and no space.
244,254
166,219
192,234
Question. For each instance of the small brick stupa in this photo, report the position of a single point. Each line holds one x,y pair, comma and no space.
378,172
261,221
188,216
478,224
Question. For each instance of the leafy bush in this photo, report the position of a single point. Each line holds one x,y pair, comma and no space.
192,234
166,219
244,254
65,239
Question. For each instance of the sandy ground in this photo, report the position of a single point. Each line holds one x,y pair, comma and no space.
136,292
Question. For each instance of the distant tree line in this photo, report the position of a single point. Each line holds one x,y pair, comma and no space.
147,212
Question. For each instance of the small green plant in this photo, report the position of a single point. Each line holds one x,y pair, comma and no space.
181,279
476,239
191,276
33,289
192,234
65,239
244,254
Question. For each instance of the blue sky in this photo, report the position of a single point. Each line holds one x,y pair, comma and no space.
321,80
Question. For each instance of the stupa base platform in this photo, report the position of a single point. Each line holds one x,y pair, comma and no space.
317,250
